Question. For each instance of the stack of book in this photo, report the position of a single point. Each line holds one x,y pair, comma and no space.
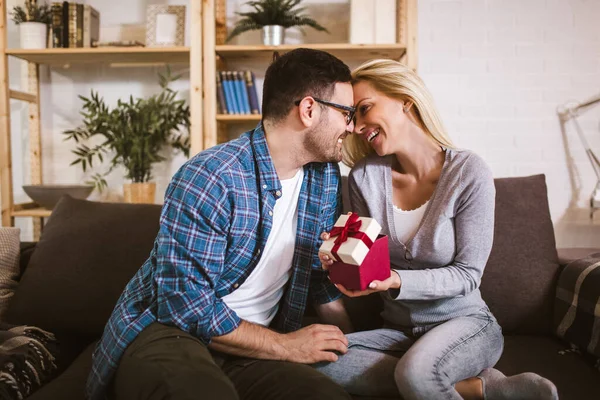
74,25
236,93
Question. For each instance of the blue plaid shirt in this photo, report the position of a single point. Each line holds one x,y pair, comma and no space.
213,226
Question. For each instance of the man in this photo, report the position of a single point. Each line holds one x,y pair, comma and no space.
236,253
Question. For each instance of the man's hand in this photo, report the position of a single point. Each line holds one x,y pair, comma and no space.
313,344
326,261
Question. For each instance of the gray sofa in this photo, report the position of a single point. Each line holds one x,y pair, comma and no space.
73,276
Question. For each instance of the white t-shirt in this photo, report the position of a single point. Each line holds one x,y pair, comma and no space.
407,222
257,299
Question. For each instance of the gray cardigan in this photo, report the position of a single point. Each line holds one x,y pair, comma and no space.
442,265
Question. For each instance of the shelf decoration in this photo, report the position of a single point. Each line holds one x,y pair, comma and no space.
273,17
33,21
165,25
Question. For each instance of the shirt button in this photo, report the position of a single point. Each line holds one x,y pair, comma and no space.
236,285
278,193
270,213
264,186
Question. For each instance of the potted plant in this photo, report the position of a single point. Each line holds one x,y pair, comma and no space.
133,134
273,17
33,21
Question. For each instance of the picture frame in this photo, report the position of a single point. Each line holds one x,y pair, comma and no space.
165,25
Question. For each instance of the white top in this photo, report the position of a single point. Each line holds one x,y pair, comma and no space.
407,222
257,299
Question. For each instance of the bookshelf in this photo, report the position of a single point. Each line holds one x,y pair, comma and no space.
66,57
206,52
217,54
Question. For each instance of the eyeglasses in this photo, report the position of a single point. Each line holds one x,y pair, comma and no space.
346,110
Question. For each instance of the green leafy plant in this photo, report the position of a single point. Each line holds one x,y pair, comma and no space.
32,12
273,12
133,133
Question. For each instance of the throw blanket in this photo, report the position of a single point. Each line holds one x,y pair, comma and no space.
577,306
27,360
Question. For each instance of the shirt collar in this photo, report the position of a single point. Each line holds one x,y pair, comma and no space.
266,169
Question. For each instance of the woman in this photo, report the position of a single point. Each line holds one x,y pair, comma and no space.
436,204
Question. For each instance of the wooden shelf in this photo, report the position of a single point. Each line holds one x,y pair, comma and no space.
31,212
106,55
239,117
344,51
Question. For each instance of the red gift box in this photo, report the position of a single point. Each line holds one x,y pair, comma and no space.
374,266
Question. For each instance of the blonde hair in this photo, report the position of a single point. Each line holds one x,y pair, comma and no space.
399,82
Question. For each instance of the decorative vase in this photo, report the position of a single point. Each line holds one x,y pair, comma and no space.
33,35
272,35
139,193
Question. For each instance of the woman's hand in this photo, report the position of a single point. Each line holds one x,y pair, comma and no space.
393,282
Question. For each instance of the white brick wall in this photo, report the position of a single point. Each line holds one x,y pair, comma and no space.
498,70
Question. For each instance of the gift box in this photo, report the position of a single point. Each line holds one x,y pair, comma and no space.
359,252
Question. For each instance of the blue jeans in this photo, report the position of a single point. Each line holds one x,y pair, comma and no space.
425,365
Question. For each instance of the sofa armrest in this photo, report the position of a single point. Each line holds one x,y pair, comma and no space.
27,249
570,254
577,293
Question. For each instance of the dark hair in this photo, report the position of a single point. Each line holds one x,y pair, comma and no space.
299,73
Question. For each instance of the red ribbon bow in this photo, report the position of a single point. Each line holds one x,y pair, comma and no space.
350,229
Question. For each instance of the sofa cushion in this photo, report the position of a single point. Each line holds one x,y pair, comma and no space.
87,253
576,317
9,266
520,277
574,378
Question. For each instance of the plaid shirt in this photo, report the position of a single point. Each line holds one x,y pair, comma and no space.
213,226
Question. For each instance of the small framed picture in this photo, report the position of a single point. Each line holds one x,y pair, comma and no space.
165,25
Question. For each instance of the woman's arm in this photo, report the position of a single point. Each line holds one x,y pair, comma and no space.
474,234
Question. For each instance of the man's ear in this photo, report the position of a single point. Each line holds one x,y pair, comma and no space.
307,110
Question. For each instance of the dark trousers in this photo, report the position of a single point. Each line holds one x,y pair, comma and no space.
165,363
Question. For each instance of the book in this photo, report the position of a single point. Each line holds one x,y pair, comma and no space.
72,24
252,94
57,27
65,24
243,93
222,109
79,29
229,95
91,25
236,93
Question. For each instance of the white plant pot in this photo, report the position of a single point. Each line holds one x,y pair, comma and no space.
33,35
273,35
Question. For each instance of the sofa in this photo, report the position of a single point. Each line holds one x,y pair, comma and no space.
72,278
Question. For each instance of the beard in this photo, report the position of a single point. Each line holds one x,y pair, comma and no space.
322,145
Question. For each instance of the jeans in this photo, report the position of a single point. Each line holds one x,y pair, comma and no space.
165,363
426,365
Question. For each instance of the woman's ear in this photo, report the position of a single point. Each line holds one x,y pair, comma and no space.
407,106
